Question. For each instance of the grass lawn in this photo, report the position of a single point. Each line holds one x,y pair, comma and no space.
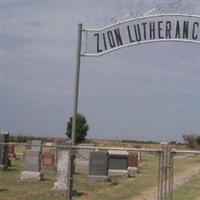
121,188
11,188
190,190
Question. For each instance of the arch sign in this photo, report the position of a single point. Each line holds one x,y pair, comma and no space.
172,22
165,27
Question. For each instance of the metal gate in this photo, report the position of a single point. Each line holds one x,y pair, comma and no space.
165,174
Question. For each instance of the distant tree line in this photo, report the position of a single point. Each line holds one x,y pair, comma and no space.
24,138
149,142
140,141
192,140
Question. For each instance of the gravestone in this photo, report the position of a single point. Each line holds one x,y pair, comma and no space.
133,159
28,144
4,160
118,163
36,145
84,151
98,166
48,160
118,160
32,168
139,152
82,157
61,184
11,151
132,163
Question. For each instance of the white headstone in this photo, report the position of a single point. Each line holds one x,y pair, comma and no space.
61,184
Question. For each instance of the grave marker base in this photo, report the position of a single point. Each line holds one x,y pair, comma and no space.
132,171
93,178
60,187
118,172
28,175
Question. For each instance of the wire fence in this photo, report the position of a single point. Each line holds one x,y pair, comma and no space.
90,172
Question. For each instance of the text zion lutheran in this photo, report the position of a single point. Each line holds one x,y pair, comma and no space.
146,31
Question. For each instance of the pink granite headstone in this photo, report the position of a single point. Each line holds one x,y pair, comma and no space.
48,160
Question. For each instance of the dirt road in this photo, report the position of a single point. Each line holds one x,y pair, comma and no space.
179,180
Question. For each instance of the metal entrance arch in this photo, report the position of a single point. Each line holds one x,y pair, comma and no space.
165,26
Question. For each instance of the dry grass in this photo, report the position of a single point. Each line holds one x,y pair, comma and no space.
190,190
11,188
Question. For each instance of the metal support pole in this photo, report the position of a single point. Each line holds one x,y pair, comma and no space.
76,91
75,108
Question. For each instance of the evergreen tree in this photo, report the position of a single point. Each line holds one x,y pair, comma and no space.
81,128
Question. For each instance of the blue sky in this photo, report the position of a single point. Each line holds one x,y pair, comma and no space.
145,92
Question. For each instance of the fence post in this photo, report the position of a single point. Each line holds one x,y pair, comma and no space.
159,175
70,173
165,174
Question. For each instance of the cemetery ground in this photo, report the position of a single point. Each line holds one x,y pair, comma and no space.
121,188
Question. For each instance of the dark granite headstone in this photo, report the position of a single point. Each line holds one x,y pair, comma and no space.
32,161
98,165
133,159
4,160
118,162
